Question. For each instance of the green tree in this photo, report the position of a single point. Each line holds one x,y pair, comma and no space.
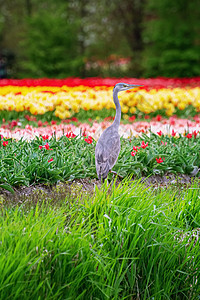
171,36
51,46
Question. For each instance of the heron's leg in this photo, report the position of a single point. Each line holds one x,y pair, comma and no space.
102,180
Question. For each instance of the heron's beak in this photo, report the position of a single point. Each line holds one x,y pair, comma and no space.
132,86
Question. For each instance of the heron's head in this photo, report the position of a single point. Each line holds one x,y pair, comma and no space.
124,87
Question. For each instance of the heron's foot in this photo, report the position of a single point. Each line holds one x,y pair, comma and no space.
116,174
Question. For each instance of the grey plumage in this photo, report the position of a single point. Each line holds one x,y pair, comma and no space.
108,146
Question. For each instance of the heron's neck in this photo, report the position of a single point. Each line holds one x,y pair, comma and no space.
118,109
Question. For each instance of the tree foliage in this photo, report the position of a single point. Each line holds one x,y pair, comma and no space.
171,36
63,38
51,46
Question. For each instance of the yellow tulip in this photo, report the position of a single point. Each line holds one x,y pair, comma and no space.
132,110
41,99
125,109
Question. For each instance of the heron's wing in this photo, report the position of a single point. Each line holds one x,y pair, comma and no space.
106,154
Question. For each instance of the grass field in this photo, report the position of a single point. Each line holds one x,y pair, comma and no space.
125,242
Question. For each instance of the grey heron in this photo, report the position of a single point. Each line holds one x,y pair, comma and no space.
108,146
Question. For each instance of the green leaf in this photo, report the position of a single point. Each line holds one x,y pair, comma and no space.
7,187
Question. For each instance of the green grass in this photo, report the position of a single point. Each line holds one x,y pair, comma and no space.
125,242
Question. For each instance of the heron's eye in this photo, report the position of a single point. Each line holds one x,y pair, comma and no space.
125,85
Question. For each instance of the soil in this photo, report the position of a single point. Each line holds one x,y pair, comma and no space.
33,194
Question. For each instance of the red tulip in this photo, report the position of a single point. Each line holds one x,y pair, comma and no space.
133,153
70,135
194,133
159,160
40,123
160,133
189,136
143,145
45,137
173,132
89,140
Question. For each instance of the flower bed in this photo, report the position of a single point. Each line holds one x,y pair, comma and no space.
92,82
68,97
169,126
48,159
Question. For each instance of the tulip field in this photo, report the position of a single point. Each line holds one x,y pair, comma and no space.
49,128
65,105
122,239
